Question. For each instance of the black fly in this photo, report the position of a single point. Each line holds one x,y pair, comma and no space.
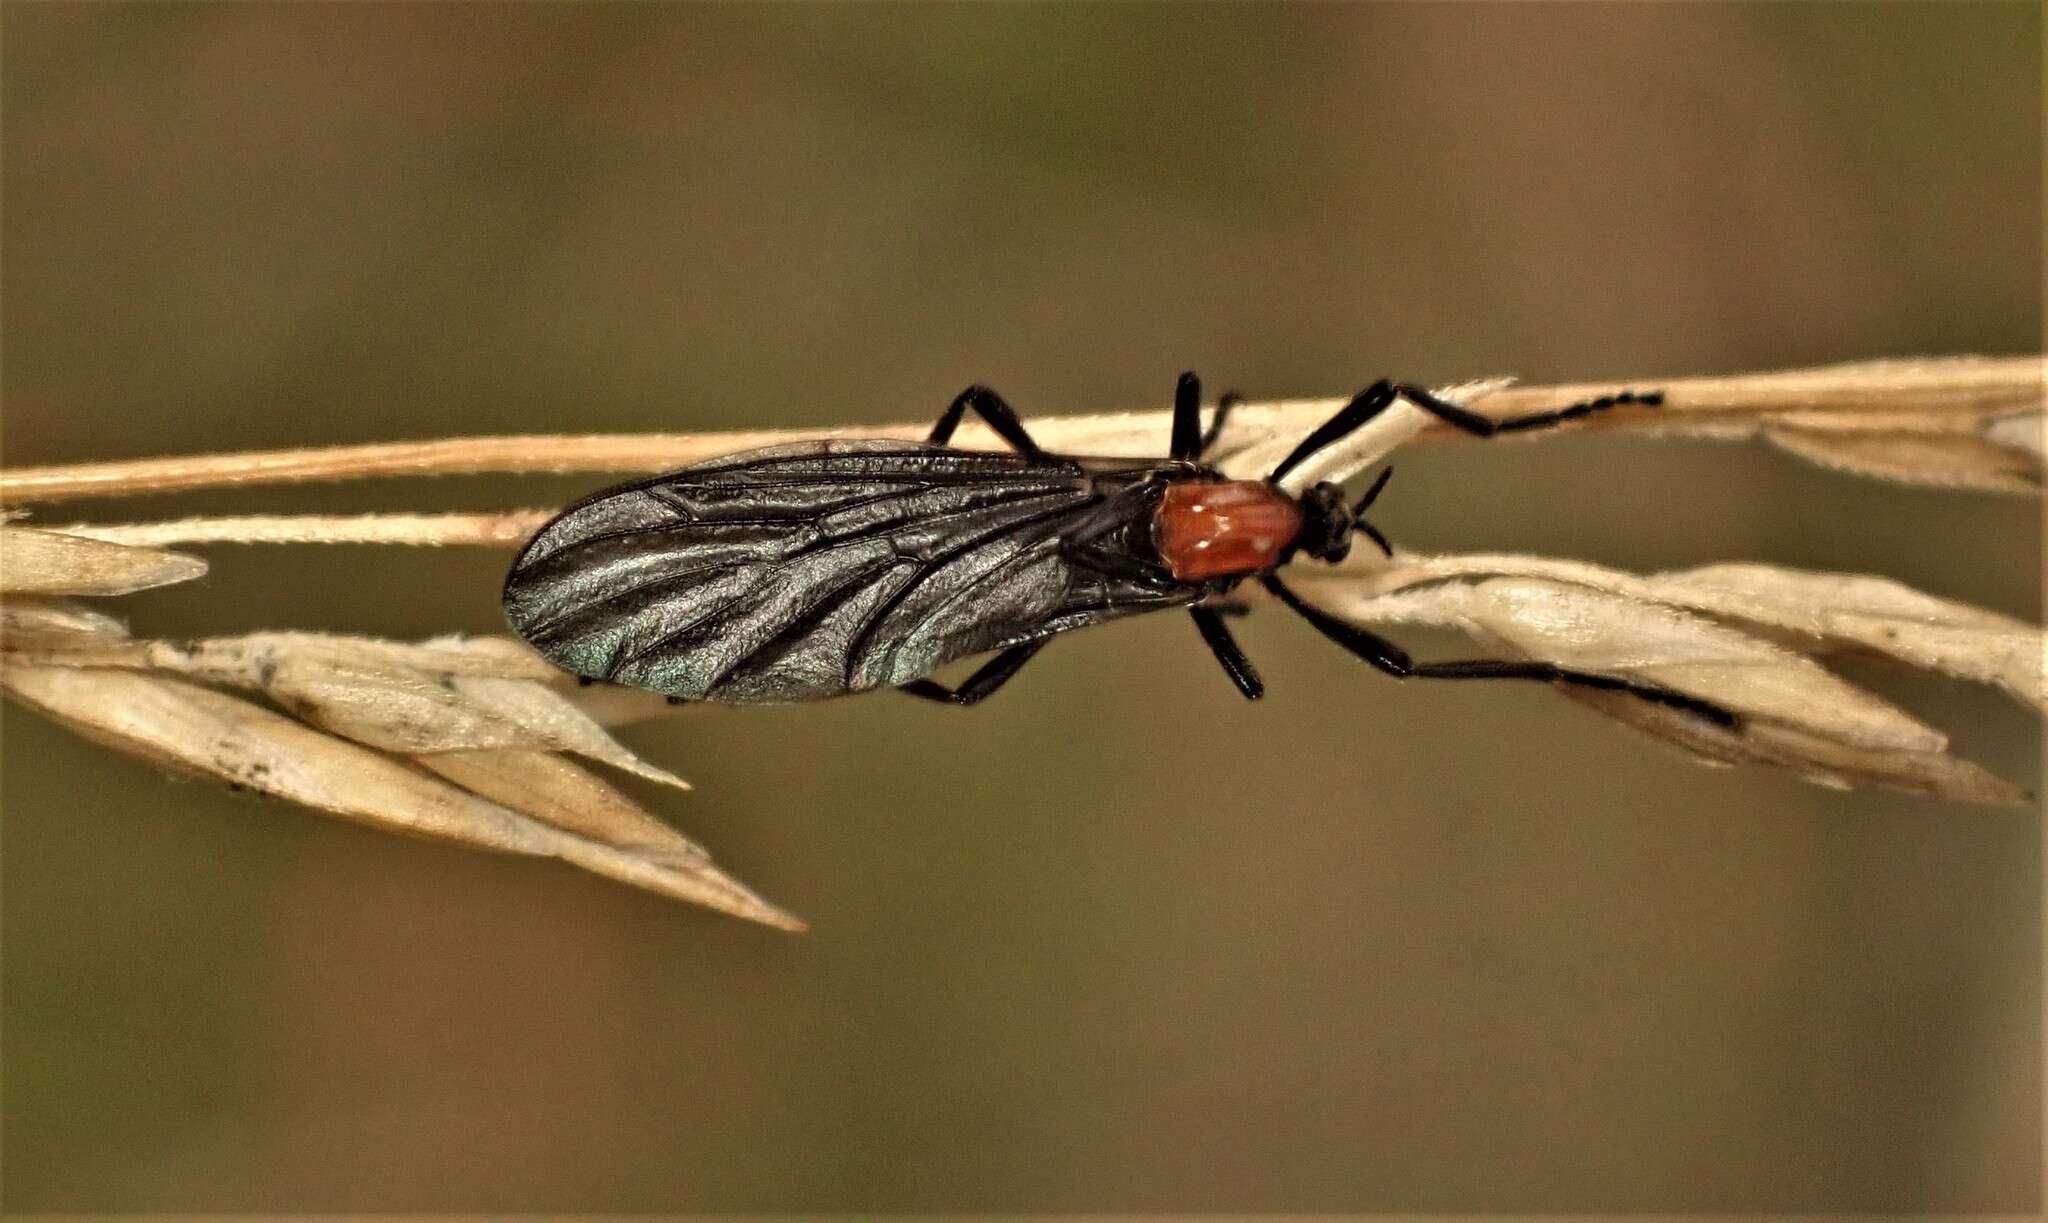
824,568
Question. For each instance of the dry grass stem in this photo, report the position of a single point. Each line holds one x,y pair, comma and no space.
503,529
468,739
1980,413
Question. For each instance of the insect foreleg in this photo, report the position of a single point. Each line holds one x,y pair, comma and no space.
1382,395
982,684
1000,416
1368,404
1225,647
1395,661
1543,420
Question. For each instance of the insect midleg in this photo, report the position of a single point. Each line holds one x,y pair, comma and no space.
1395,661
979,686
1190,440
1225,647
1381,395
1187,418
1000,416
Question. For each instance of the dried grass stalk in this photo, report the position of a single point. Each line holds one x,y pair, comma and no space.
191,729
1951,407
1815,612
507,528
448,695
561,793
463,738
51,562
1691,631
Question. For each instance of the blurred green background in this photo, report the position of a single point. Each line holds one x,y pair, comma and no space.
1118,939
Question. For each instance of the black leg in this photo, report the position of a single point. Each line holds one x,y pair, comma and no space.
1368,404
1371,647
1224,646
1223,406
1187,418
1489,668
1395,661
982,684
1117,563
1381,395
1543,420
1000,416
1365,503
1373,533
1372,494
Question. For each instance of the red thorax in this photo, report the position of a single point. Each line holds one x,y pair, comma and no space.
1224,529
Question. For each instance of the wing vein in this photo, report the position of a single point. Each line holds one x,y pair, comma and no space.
858,645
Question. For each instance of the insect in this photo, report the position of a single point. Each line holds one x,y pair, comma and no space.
824,568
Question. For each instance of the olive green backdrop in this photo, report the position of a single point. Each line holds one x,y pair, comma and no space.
1117,939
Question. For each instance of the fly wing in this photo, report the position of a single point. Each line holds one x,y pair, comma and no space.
801,571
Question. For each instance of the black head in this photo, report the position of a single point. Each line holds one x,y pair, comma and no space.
1327,523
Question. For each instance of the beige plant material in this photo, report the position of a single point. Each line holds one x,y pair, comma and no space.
1941,460
561,793
406,712
461,737
1816,612
506,528
1952,406
448,695
1400,424
1812,757
28,623
192,729
1854,612
1794,712
51,562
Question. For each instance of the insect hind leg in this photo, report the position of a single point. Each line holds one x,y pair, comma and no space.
1394,660
992,408
1493,668
1225,648
983,683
